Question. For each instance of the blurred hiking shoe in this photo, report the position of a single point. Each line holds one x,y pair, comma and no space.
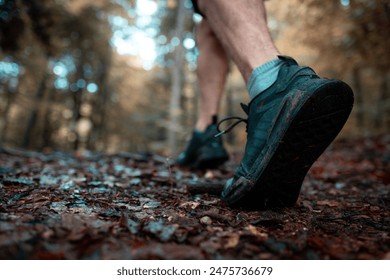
289,126
203,150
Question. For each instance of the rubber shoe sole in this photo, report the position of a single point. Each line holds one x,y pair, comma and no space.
211,161
314,126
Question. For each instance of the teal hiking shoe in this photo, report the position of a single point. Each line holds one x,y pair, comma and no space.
289,126
203,150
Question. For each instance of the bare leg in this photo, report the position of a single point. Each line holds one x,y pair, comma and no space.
204,150
241,26
212,70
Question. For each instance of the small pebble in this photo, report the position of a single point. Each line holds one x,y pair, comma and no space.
206,220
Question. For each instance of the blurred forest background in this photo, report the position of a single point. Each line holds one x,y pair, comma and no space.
119,75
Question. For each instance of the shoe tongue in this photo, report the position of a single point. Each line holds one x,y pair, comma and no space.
214,120
245,108
289,60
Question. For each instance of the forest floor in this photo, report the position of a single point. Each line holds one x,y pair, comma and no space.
89,205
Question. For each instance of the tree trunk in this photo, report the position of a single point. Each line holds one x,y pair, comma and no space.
10,96
381,112
177,80
100,106
359,102
77,101
47,131
34,114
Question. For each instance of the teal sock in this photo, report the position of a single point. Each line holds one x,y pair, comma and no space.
263,77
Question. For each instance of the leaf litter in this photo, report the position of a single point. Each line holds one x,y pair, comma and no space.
136,206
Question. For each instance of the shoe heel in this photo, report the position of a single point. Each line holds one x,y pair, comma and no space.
314,128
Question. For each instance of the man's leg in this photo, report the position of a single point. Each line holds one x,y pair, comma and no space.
211,73
293,114
241,26
242,29
204,150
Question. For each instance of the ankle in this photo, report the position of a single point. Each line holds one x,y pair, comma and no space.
203,122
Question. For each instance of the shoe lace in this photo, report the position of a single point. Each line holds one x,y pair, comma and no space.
237,121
